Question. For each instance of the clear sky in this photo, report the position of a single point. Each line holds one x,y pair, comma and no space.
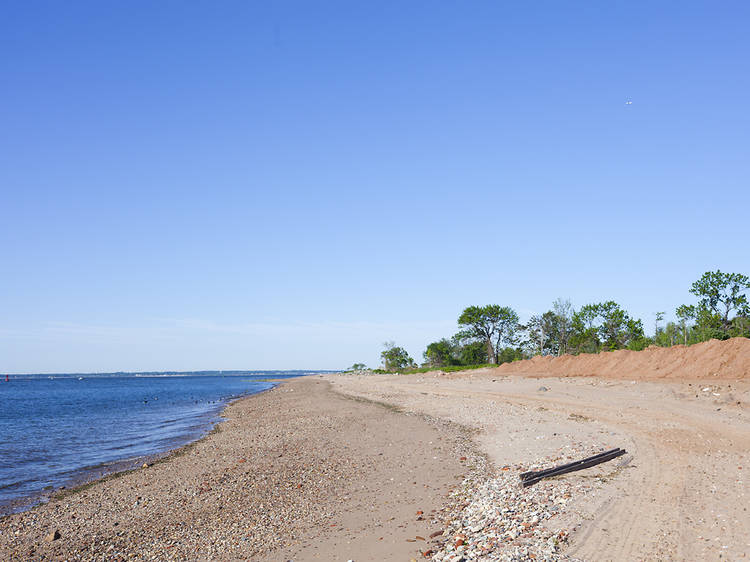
277,185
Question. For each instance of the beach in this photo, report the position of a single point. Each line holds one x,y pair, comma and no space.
298,472
426,466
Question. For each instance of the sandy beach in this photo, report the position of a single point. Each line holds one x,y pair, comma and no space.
426,466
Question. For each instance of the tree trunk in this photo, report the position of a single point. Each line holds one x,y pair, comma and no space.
491,355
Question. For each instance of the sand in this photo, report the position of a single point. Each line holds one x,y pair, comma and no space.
295,473
337,467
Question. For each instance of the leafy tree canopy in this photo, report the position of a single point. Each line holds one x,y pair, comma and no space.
605,326
440,353
721,294
396,358
491,324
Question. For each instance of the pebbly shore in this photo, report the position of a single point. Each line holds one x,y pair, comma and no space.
298,472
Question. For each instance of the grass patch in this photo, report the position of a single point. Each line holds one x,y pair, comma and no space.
445,369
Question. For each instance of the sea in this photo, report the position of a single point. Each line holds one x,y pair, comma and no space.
66,429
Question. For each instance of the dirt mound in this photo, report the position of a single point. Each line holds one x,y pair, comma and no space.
713,360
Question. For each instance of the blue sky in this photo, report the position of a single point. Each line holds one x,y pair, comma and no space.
195,185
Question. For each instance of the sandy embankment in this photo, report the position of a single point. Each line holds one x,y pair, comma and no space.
295,473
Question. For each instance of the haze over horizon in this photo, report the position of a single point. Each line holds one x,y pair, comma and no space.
289,185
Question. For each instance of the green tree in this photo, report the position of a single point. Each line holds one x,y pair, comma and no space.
542,331
472,353
605,326
685,314
708,324
508,354
441,353
635,339
564,312
671,333
358,367
492,324
395,358
740,327
721,294
508,330
658,317
584,330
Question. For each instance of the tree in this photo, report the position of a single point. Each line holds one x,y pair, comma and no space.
685,313
635,339
395,358
618,330
507,333
584,331
358,367
708,324
508,354
722,293
659,316
543,333
740,327
481,322
440,353
491,324
671,333
472,353
564,312
605,325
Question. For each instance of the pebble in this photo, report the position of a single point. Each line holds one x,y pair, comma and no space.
494,518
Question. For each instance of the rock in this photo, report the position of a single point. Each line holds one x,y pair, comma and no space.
543,389
53,536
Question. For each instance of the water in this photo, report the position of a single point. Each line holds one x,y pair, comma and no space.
58,429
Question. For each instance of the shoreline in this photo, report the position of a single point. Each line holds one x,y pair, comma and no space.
299,471
90,475
388,467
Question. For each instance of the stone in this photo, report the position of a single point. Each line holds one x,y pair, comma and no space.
53,536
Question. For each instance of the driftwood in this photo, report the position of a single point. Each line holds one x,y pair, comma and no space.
531,478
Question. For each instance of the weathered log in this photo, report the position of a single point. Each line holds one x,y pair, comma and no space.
572,467
534,474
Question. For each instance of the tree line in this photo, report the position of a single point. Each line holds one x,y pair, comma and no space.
492,334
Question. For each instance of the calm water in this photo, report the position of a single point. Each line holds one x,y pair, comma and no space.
56,429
